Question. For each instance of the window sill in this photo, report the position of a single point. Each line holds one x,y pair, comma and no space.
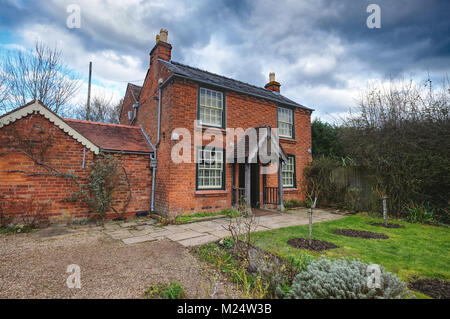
288,140
213,128
290,189
211,192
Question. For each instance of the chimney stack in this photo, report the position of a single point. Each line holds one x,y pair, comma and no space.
272,85
162,49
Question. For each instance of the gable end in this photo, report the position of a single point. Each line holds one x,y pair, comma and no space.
38,107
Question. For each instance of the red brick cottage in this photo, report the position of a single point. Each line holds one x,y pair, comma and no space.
174,96
37,147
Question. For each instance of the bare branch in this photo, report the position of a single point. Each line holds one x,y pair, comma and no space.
40,74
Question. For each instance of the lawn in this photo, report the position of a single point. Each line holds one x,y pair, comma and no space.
415,250
191,218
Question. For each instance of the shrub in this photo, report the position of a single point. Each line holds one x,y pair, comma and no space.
294,202
104,181
26,217
172,291
343,279
422,214
228,243
298,262
399,131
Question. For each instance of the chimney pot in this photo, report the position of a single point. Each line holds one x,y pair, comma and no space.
272,85
271,76
163,33
162,49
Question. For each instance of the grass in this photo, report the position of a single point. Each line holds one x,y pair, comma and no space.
190,218
414,251
174,290
16,230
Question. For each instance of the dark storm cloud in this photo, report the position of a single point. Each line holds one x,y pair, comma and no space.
316,45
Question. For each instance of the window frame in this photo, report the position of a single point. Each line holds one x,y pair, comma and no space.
293,122
222,126
222,187
294,175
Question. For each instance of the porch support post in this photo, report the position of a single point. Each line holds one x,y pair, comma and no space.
280,188
247,184
233,185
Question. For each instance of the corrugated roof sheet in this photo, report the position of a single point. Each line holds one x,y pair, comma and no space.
113,137
231,84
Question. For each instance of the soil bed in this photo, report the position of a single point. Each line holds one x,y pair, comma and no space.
360,234
316,245
438,289
388,225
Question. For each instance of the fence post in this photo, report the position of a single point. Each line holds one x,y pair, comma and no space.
385,209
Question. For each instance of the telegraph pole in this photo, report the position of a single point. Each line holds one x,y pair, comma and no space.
88,105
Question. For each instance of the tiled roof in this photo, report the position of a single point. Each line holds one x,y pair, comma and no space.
114,137
227,83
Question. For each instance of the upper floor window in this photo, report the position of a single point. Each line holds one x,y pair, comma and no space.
285,122
210,168
288,172
211,107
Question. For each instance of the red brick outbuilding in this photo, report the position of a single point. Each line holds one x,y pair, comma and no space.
66,146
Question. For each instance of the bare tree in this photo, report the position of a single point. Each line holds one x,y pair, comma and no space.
312,192
40,74
102,109
3,90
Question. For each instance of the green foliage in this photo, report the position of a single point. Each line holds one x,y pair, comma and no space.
104,179
189,218
294,202
16,229
250,286
26,217
172,291
298,262
228,243
343,279
324,139
401,133
424,214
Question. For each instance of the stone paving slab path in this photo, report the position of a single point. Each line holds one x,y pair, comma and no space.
199,233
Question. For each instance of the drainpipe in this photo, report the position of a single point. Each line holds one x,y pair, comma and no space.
154,158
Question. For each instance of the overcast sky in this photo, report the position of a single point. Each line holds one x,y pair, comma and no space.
322,52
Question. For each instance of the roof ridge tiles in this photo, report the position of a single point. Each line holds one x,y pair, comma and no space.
219,75
100,123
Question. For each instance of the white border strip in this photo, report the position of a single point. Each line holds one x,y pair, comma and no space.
36,107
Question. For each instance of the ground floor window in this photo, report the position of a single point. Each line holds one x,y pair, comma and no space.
288,172
210,168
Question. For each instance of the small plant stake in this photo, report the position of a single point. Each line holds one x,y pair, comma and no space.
313,205
385,210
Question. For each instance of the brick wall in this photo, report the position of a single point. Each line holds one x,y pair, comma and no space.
241,111
65,154
176,183
128,101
